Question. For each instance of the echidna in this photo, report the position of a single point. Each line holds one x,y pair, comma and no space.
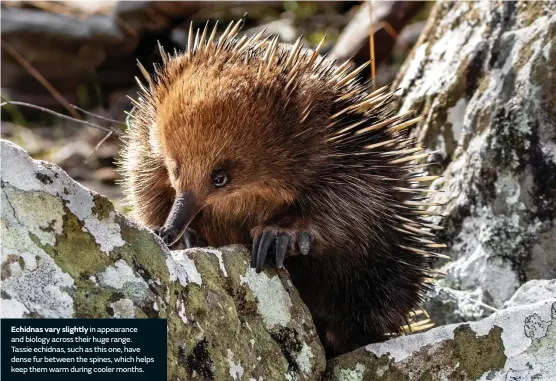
251,141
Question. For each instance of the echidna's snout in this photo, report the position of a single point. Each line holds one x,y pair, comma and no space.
183,211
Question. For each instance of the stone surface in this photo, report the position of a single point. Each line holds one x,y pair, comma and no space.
67,253
513,344
484,74
533,291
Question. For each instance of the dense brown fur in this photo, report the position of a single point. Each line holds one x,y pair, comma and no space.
294,166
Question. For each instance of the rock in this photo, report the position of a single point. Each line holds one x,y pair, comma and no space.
66,253
513,344
483,73
446,305
533,291
106,44
50,41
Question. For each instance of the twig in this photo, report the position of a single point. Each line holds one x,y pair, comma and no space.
108,135
39,77
43,109
389,29
480,303
475,301
97,116
383,22
126,26
372,46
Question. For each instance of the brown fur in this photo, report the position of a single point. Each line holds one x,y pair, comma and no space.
293,168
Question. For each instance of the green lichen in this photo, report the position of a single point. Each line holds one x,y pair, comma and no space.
365,364
21,263
465,357
76,252
102,207
530,11
142,252
478,354
222,322
92,302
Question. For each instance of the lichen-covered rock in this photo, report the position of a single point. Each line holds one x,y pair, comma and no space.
533,291
67,253
485,73
514,344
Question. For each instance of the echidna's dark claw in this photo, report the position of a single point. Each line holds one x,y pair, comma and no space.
190,238
255,251
267,239
168,236
304,242
276,243
282,241
187,240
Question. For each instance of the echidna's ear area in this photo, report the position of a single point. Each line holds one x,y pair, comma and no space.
360,129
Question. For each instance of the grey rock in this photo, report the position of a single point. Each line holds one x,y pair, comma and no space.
513,344
67,253
484,74
27,21
532,292
446,305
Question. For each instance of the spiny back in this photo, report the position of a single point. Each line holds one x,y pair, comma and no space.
282,107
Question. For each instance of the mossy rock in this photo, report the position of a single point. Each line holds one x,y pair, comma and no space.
67,253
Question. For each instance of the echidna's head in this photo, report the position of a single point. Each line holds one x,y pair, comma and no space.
225,131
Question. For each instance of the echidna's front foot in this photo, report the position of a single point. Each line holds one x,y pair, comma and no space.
189,239
272,241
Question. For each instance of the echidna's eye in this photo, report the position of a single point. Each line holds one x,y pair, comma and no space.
220,178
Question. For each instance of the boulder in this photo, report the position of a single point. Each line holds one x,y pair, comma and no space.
532,292
484,75
513,344
66,253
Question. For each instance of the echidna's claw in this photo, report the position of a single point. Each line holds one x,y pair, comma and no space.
304,242
282,241
255,251
193,239
271,244
189,239
267,238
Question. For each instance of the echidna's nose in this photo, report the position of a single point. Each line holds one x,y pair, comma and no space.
182,213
